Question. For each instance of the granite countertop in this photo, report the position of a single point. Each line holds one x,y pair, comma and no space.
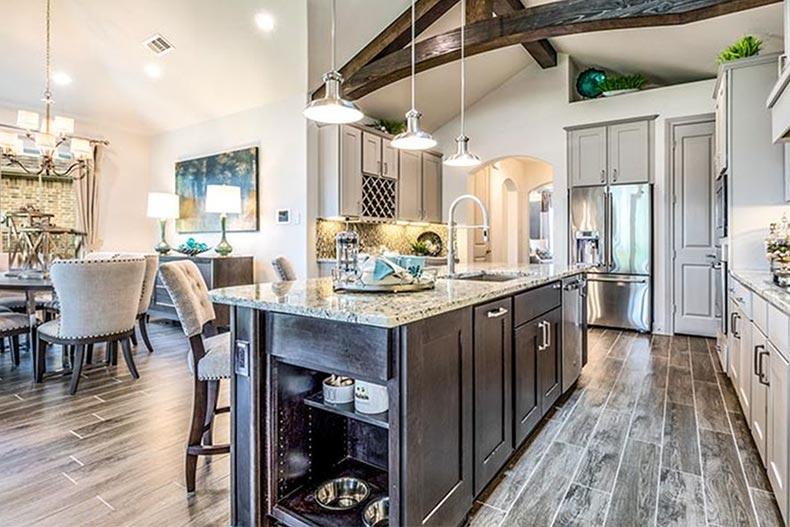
316,298
761,282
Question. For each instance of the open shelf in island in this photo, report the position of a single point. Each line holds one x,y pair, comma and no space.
347,410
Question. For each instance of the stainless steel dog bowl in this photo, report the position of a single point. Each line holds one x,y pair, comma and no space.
342,493
377,513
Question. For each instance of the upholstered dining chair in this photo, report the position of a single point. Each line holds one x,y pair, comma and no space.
149,280
208,359
284,269
11,326
98,303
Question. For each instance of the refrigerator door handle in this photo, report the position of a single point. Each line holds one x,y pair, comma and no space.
610,230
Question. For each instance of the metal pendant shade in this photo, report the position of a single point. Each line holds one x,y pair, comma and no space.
462,156
332,108
414,138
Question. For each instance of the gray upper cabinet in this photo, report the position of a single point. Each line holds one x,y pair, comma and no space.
431,188
351,173
410,186
611,154
588,156
340,175
389,156
629,153
371,154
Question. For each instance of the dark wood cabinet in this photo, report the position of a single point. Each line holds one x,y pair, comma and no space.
217,271
437,420
537,358
493,418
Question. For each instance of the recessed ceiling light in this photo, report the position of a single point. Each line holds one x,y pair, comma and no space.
153,70
264,21
61,79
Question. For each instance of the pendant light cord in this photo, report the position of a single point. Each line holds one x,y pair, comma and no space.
463,66
413,55
334,41
48,66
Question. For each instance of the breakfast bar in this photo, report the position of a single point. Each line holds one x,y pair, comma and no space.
470,368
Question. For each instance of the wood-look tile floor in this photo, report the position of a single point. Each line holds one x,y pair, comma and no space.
653,435
111,455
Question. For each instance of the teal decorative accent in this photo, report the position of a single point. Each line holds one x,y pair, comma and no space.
223,248
162,247
382,270
192,247
588,83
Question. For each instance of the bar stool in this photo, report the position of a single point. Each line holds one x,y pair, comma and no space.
208,359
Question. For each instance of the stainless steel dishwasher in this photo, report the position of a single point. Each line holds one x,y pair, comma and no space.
574,325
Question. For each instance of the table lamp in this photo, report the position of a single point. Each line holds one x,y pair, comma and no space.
223,200
162,206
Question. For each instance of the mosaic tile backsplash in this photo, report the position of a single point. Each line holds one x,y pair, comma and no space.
372,236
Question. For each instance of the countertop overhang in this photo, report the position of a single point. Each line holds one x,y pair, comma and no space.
761,283
316,298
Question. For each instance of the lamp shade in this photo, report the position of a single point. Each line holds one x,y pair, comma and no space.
223,199
80,148
8,139
162,205
27,120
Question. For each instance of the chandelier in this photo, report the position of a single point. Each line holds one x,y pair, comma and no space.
51,137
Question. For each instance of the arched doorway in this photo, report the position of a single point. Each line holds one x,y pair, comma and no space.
505,186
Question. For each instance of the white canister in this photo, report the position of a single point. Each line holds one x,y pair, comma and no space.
370,398
338,390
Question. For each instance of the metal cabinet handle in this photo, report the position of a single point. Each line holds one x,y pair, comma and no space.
761,376
542,346
386,169
603,176
548,334
756,365
614,174
496,313
735,320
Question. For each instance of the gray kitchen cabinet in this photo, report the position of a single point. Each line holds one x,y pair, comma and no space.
759,399
371,154
614,153
390,158
340,174
587,156
629,153
431,188
410,186
777,371
493,421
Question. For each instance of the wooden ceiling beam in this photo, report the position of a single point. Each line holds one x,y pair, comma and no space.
395,37
540,50
477,10
565,17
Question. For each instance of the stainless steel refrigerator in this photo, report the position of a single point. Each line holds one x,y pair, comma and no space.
612,230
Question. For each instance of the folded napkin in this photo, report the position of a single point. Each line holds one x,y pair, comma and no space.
403,267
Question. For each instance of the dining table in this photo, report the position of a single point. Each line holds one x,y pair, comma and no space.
31,287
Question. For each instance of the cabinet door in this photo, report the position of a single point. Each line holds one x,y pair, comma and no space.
759,402
587,156
436,427
390,157
526,395
350,171
431,188
371,154
492,389
720,156
742,341
410,186
629,153
777,370
550,361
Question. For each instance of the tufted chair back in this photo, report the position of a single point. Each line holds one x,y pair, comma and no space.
98,297
284,269
149,279
189,294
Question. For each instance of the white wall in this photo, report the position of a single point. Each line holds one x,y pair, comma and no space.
280,132
526,117
124,183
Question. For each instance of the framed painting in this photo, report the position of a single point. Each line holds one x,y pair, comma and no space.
238,168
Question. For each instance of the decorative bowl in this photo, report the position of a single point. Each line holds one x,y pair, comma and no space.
192,247
377,513
342,494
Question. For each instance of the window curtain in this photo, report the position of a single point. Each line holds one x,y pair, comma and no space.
87,191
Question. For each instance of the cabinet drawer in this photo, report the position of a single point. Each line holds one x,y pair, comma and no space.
360,352
760,313
778,329
536,302
741,296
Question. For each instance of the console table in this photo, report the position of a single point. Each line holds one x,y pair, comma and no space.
218,271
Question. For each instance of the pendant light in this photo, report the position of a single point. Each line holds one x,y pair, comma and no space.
413,138
332,108
462,156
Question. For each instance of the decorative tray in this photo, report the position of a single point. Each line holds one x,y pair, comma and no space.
359,287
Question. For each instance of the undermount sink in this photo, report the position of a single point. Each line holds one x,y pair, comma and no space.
489,277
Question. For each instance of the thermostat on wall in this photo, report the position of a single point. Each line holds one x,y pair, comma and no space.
283,216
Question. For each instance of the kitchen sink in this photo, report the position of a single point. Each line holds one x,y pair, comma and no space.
489,277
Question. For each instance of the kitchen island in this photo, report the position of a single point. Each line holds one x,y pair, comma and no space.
470,369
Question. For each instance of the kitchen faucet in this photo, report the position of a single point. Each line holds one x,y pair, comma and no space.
451,229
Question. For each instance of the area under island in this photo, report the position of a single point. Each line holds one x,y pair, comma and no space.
470,369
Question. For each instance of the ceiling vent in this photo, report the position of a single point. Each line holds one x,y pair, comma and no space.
158,45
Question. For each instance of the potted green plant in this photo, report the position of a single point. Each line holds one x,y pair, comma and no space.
747,46
391,126
420,248
622,84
